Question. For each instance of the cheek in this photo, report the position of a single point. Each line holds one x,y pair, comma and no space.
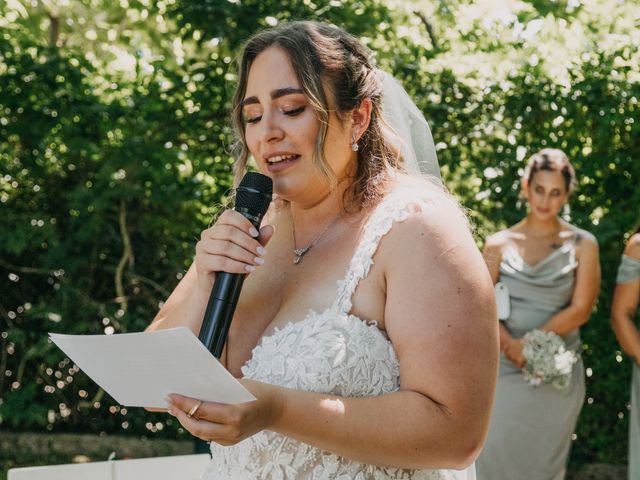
305,133
251,141
533,196
559,200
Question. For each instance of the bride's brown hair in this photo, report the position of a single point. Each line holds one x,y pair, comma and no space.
324,55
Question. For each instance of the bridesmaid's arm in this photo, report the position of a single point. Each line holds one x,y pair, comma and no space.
492,254
585,291
625,307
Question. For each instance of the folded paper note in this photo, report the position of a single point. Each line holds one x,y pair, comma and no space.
141,369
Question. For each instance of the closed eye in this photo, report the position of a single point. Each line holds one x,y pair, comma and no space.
295,111
291,113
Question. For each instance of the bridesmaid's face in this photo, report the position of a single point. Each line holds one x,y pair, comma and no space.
546,193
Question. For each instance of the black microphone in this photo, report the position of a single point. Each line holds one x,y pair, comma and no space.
253,196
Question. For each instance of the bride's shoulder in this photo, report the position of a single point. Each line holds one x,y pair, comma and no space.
423,197
431,243
431,219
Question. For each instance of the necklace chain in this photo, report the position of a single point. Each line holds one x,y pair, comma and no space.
298,253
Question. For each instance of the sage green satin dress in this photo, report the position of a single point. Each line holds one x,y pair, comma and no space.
628,272
530,432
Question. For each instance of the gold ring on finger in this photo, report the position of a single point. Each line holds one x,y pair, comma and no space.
194,409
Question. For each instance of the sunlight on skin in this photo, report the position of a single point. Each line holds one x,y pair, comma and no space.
333,405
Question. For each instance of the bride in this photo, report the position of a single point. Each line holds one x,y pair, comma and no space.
366,328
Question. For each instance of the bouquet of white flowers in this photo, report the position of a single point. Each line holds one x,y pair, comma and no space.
548,360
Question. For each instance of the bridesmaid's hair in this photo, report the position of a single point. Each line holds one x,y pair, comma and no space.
551,159
333,67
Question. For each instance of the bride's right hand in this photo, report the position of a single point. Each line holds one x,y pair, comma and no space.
231,245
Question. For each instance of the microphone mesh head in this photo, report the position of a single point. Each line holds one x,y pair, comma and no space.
254,193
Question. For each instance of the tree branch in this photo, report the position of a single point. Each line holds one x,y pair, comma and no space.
429,27
126,257
17,268
3,363
54,30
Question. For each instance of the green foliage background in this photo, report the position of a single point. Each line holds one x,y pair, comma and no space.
114,153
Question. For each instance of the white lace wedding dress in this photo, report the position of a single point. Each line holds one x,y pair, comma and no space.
329,352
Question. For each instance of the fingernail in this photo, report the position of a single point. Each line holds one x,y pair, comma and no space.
170,412
167,400
259,261
253,232
260,250
249,268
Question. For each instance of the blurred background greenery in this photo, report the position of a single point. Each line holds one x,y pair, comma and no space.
115,154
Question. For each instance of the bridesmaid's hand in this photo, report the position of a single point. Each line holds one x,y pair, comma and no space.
513,352
229,424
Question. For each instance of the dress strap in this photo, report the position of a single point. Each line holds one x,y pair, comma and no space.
391,209
629,269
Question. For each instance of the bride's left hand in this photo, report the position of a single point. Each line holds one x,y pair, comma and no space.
228,424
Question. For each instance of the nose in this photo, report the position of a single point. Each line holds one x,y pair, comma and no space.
270,128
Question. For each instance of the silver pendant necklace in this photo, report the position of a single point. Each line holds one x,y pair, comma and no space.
298,253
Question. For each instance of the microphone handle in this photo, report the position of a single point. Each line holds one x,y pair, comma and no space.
223,300
220,309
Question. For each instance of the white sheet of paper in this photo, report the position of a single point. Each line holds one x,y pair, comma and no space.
141,369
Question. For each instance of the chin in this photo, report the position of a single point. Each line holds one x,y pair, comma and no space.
545,215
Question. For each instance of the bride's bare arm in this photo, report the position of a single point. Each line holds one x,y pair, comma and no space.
184,307
440,316
231,245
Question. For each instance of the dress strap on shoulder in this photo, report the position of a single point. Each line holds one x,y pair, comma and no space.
391,209
629,270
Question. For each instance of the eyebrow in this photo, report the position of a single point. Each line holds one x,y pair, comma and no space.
280,92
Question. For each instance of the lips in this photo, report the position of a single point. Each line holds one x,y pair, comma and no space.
282,158
280,161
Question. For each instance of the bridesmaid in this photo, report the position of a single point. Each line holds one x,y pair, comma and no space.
623,314
552,273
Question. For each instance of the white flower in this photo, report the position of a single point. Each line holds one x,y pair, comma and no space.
535,381
564,362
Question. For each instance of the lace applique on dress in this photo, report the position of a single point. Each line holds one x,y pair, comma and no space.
328,352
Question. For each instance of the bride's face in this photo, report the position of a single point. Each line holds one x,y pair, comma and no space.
282,128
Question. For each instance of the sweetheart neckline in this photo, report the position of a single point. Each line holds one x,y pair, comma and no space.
312,314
